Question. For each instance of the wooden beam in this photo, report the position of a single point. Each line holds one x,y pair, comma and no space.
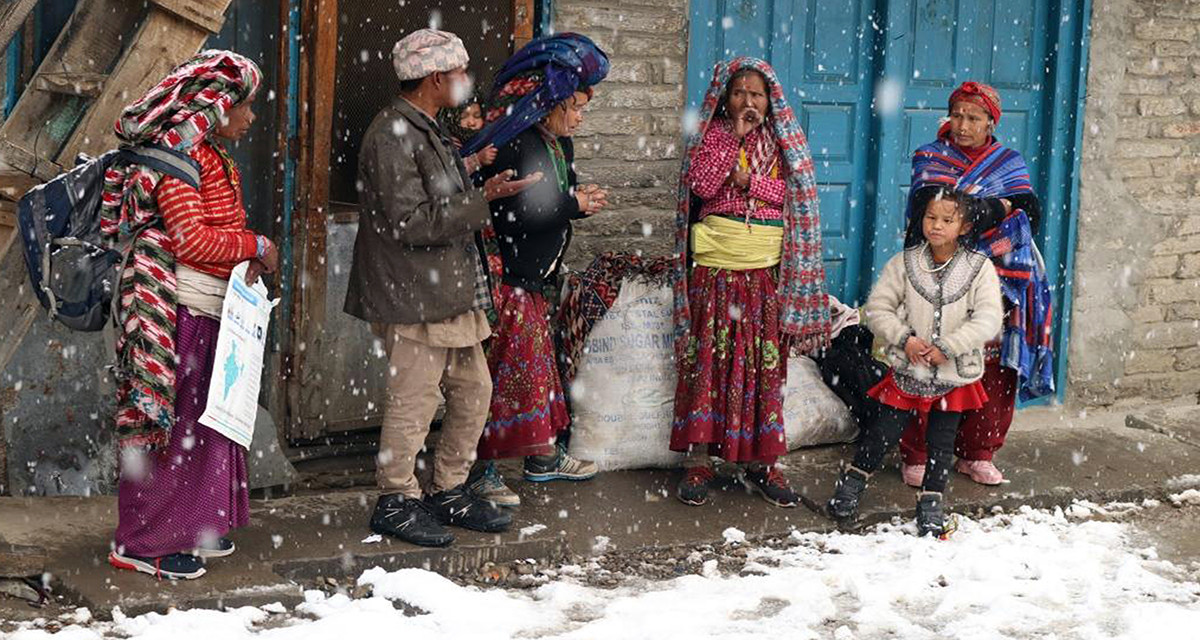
88,85
318,81
14,184
523,17
25,161
206,14
162,42
91,42
12,17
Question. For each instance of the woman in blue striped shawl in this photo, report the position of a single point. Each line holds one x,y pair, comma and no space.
967,157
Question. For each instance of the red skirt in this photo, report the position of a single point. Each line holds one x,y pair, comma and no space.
730,390
965,398
528,409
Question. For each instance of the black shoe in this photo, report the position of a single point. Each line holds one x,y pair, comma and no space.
410,520
221,548
844,503
772,486
461,508
931,520
693,488
177,566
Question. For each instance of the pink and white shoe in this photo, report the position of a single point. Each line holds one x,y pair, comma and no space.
981,471
913,474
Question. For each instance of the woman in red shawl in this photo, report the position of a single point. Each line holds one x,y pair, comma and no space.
749,281
183,486
967,156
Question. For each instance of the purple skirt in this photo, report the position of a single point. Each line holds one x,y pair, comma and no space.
194,490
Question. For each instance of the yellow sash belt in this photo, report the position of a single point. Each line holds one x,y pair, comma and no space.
725,244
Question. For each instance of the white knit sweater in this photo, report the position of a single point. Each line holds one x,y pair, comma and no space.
958,309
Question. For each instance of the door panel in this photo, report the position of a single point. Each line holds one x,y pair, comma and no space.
870,80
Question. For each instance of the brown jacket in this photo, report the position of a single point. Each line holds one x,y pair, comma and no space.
415,257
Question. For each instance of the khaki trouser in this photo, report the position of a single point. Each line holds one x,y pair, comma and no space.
416,371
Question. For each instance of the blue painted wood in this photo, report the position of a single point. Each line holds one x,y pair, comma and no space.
870,79
823,53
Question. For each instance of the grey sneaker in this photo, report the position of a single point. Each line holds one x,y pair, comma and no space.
558,467
490,486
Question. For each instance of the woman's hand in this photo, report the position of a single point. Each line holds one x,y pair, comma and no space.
591,198
1007,205
486,156
745,122
502,185
740,179
267,263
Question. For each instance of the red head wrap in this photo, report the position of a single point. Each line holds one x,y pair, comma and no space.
980,94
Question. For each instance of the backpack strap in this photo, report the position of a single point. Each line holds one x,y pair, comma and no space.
176,164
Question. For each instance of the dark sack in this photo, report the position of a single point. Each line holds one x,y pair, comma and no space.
72,271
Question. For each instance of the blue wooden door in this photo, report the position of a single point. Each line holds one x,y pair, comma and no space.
870,80
823,53
932,47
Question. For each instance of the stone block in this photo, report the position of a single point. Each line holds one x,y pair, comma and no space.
673,71
1133,128
623,96
671,44
1146,86
1136,168
1149,149
1156,187
1161,106
1168,291
1189,225
667,124
1189,266
620,18
1178,245
1187,359
609,122
631,71
1158,386
1169,335
1180,10
1183,165
1149,361
1162,266
1181,129
1186,310
1155,66
1148,314
1174,48
1165,29
629,148
612,173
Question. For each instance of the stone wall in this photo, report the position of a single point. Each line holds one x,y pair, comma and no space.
631,137
1135,330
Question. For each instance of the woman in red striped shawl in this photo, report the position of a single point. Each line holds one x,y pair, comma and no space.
183,486
749,281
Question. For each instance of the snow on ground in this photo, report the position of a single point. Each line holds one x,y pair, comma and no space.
1034,574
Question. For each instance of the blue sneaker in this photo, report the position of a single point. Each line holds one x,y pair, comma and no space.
490,486
560,466
177,566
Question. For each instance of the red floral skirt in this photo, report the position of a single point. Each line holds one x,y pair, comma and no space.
730,390
965,398
528,409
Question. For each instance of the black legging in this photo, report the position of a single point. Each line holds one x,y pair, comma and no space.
881,437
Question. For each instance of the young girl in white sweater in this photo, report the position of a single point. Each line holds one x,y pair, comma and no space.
935,306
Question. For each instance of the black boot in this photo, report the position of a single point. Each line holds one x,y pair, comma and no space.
461,508
844,503
410,520
930,517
